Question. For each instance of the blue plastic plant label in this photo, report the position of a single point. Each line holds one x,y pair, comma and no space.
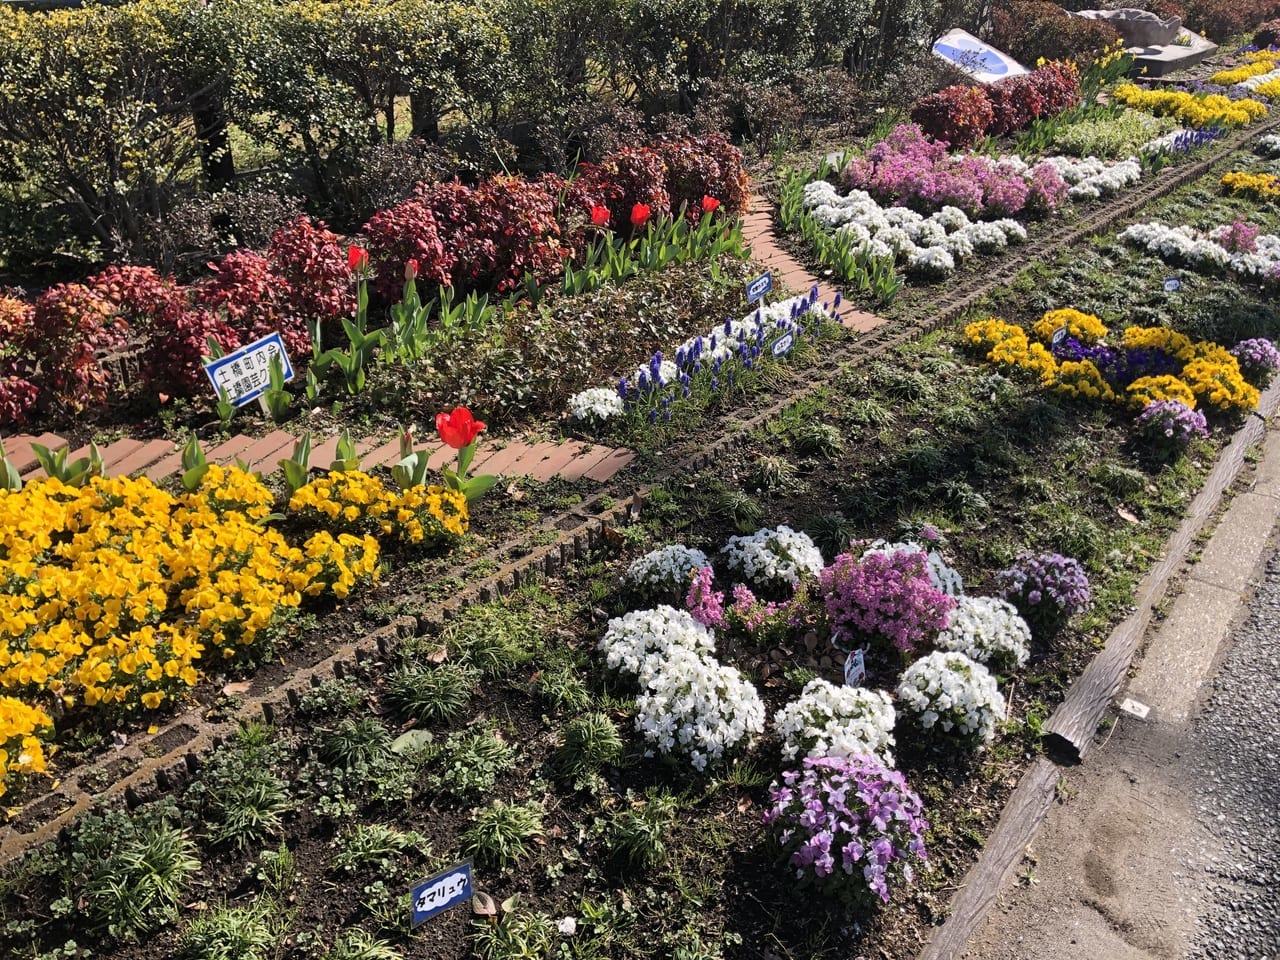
782,346
1172,285
245,374
1059,335
758,287
446,889
855,668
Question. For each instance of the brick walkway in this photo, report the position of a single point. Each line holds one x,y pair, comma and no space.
158,459
758,231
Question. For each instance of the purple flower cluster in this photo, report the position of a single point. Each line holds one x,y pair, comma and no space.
849,826
884,597
1171,424
1189,140
1119,366
1258,358
1241,237
909,169
1236,91
1047,588
746,613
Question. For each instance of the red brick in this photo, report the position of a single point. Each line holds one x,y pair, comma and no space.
18,449
607,468
558,459
532,457
226,453
586,460
387,455
117,452
264,453
500,462
144,456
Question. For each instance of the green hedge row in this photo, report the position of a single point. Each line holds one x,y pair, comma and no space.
111,110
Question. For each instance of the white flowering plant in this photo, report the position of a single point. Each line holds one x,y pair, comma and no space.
988,630
834,721
696,707
665,572
1259,259
774,557
596,405
1269,146
948,693
632,640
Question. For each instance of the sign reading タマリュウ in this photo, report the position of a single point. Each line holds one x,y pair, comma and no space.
446,889
758,287
246,373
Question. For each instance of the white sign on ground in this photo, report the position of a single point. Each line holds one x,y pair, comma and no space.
982,62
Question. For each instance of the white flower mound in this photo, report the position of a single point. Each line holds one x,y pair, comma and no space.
666,570
1270,145
942,575
929,245
596,405
988,630
1089,178
697,707
949,692
640,640
832,721
1185,245
772,557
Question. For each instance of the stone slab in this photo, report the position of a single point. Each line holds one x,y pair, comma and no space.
1180,654
1267,480
1231,557
1158,61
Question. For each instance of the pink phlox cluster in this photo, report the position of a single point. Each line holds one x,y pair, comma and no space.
885,596
1241,237
909,169
704,603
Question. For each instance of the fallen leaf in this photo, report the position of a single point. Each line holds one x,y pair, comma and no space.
1126,515
482,905
514,492
236,689
745,804
438,655
119,740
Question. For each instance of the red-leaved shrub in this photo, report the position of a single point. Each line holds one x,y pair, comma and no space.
313,261
958,114
70,324
255,299
1267,35
627,177
17,393
402,233
700,167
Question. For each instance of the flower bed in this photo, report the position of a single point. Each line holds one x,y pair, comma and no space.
962,115
1198,111
117,593
1237,248
1145,365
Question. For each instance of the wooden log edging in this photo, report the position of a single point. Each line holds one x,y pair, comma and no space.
1069,733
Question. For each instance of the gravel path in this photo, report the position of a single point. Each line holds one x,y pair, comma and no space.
1236,783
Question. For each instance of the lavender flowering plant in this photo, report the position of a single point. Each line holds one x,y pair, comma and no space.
1258,358
849,827
1169,425
1047,588
885,597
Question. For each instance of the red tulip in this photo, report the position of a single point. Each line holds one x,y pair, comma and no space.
411,270
640,214
458,429
357,257
600,216
710,204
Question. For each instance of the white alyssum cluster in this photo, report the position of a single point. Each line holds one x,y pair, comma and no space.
988,630
1164,143
1270,145
831,721
929,245
1187,245
942,575
596,405
1089,178
690,703
1253,83
696,706
952,693
631,641
774,556
724,341
666,570
668,372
